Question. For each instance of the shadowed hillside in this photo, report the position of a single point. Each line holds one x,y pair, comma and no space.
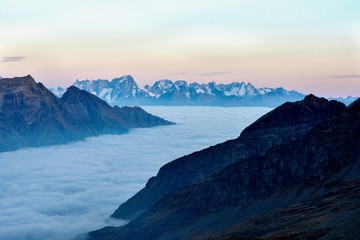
303,186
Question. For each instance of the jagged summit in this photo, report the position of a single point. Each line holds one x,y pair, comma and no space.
355,106
74,89
310,110
122,88
19,93
311,98
76,95
18,81
124,78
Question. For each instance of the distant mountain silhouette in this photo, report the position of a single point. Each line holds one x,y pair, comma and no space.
32,116
125,91
292,174
348,100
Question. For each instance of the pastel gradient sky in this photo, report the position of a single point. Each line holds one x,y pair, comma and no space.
306,45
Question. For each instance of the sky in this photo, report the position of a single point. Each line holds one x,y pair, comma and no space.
306,45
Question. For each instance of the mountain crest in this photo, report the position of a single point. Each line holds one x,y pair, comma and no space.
76,94
125,78
18,81
310,110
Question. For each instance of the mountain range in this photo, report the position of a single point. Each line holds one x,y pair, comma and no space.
125,91
292,174
30,115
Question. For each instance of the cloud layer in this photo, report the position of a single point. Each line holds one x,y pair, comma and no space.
345,76
12,59
58,192
210,74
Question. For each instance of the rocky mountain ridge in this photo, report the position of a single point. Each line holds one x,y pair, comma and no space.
30,115
300,186
289,122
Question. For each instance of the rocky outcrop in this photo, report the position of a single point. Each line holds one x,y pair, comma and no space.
289,122
332,214
299,189
30,115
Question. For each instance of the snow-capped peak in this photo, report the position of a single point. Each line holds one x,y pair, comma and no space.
124,78
181,83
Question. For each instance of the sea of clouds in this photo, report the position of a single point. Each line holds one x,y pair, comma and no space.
58,192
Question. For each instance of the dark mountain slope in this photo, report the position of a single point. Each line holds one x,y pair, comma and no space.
29,109
30,115
291,121
321,170
108,119
331,215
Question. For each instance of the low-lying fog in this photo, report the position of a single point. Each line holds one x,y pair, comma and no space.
58,192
